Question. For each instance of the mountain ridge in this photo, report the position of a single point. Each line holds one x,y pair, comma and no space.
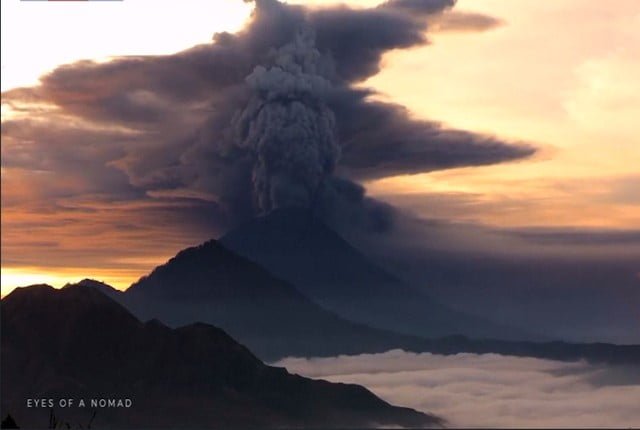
209,283
594,352
78,342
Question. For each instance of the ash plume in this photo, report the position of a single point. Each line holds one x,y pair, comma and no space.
287,126
264,118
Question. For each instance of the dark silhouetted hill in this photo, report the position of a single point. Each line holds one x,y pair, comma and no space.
8,423
78,343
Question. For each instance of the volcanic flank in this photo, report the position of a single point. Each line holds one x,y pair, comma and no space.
209,283
296,246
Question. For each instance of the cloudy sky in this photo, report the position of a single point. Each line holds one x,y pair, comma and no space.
107,172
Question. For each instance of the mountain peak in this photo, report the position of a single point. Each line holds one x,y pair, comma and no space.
63,307
34,287
212,284
88,282
70,293
299,247
210,271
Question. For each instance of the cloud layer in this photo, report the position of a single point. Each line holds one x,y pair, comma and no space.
490,390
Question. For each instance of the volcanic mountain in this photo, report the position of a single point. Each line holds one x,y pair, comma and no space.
78,343
209,283
296,246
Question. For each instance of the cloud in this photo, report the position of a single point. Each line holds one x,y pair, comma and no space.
381,139
287,126
490,390
464,21
160,125
420,7
605,97
467,195
556,236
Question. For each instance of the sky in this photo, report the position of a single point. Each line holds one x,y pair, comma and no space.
565,75
562,76
37,37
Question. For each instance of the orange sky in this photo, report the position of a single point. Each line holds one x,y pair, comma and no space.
564,75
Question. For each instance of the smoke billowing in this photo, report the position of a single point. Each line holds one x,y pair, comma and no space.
288,127
260,119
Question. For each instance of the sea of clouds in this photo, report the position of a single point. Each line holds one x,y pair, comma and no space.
491,390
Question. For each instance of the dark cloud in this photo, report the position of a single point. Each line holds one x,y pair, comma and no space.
356,39
420,7
463,22
440,17
143,127
381,139
287,127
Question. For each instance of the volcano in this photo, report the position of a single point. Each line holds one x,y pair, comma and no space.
296,246
211,284
208,283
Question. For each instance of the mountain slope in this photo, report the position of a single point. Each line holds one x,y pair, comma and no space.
296,246
211,284
78,343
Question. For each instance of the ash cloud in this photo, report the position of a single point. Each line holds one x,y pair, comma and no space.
420,7
263,118
288,127
465,21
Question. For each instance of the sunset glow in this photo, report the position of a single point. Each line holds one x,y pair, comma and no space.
573,91
25,276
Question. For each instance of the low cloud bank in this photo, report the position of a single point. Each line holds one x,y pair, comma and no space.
490,390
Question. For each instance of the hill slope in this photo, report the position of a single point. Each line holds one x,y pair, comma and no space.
78,343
